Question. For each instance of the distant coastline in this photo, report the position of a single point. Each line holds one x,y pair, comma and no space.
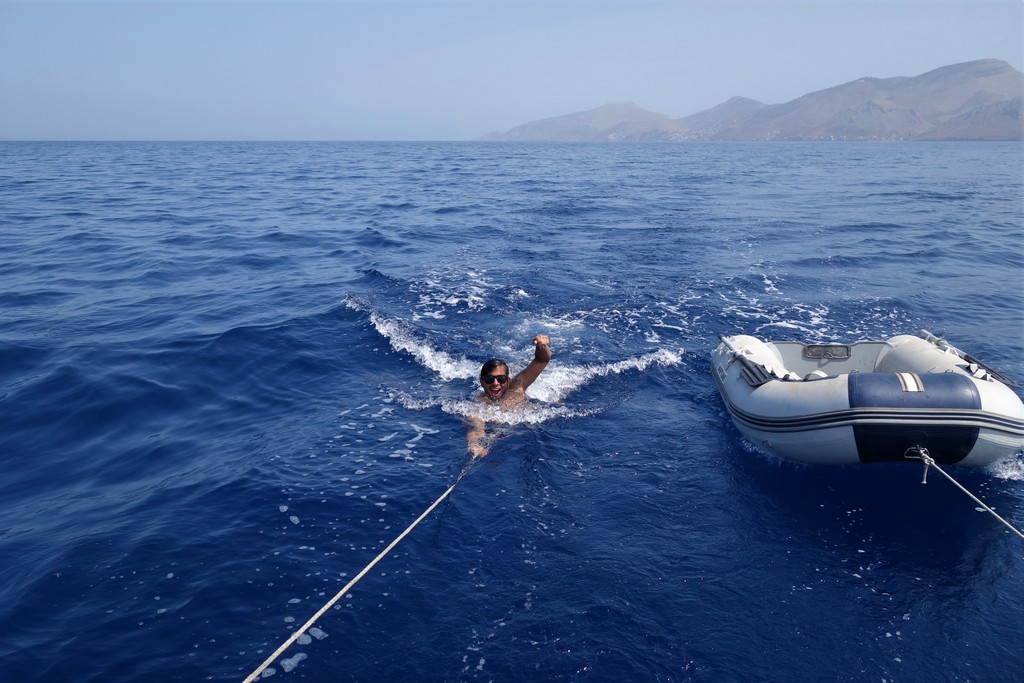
979,100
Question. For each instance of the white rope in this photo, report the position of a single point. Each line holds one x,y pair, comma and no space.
922,453
330,603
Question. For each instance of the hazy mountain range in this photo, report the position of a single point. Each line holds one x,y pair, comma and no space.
978,100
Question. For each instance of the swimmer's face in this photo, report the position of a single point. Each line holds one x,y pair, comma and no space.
495,382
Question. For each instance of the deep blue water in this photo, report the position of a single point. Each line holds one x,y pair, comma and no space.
231,374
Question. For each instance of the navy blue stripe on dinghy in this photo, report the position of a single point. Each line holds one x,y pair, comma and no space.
947,443
1012,427
846,418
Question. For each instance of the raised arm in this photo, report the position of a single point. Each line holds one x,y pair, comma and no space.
541,356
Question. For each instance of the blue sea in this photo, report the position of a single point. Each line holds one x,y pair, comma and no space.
232,373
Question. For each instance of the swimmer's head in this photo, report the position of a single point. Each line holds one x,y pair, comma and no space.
494,378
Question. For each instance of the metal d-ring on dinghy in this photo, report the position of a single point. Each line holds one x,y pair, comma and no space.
868,401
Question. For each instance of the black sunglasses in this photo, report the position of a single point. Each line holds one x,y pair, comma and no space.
491,379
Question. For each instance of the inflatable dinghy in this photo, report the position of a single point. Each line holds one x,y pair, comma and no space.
868,401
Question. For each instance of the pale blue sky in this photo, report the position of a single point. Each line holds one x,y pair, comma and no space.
449,70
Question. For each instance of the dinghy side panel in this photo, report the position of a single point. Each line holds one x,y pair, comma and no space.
908,400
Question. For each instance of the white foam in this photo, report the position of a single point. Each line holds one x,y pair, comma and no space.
550,323
1009,469
292,662
402,338
551,388
525,413
558,382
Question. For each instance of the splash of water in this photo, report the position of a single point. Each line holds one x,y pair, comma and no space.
402,337
1008,469
556,384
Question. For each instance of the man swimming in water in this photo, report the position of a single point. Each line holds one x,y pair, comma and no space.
500,389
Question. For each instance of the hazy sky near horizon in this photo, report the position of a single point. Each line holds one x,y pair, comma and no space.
449,69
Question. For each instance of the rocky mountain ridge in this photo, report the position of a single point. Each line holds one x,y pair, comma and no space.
979,100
